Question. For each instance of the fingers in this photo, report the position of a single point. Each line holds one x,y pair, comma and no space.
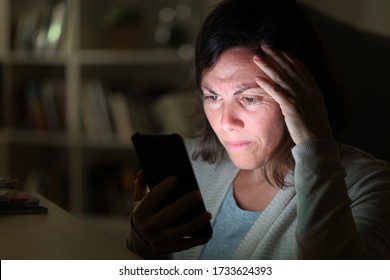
180,245
284,69
287,79
278,70
176,238
141,189
290,84
152,201
282,62
177,208
158,227
276,82
166,217
163,235
278,93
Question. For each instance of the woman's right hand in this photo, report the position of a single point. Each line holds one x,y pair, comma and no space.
154,229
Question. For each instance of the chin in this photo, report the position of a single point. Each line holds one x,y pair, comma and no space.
245,163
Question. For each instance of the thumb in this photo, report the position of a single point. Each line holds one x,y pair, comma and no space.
141,189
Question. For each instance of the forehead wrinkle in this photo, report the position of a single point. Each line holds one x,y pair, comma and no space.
234,72
240,88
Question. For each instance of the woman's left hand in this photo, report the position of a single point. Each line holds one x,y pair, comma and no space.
291,85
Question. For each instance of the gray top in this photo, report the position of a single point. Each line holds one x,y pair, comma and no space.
337,208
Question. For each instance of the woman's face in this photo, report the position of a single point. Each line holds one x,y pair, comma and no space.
247,121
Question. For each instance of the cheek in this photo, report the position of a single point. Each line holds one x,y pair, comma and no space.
277,129
267,123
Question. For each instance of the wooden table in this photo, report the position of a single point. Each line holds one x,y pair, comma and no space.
55,236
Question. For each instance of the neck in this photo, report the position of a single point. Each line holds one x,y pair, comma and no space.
252,191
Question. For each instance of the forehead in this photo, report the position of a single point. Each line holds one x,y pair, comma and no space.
233,65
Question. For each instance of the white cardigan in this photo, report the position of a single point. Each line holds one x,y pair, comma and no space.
337,208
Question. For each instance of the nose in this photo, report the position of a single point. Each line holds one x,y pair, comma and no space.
230,119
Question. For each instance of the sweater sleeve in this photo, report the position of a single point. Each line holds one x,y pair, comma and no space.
328,227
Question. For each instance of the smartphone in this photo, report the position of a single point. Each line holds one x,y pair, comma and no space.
164,155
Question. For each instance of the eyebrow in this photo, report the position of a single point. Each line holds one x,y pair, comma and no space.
242,88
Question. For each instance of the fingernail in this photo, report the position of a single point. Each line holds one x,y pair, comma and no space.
207,216
265,46
197,195
172,179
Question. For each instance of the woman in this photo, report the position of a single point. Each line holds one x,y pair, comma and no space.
274,179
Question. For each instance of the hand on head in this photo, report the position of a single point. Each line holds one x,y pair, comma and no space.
290,84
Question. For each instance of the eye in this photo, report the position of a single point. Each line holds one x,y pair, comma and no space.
251,101
211,98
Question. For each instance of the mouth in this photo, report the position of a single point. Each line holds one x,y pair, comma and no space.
237,145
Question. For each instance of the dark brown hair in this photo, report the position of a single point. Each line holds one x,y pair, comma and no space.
281,25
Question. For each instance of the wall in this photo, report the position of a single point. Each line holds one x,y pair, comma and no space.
370,15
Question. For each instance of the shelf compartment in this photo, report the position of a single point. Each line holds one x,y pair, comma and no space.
44,170
39,92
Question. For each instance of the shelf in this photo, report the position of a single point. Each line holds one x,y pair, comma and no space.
3,56
145,56
61,139
36,138
97,57
110,142
35,57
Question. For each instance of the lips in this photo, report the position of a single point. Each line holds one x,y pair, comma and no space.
237,145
